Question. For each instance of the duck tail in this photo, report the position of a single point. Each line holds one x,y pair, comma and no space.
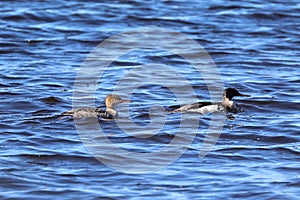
68,113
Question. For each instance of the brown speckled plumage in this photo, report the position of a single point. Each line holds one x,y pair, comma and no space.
110,113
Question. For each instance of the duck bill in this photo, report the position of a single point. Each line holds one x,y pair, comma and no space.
244,95
125,101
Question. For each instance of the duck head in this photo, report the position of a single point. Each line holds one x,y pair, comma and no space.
229,93
112,100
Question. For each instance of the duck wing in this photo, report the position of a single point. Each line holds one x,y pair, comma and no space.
79,110
87,112
189,107
103,114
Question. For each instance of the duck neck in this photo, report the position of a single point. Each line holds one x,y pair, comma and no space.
227,102
112,111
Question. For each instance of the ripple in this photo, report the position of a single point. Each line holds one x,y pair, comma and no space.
254,45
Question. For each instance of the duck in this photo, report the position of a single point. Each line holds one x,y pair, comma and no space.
110,112
227,105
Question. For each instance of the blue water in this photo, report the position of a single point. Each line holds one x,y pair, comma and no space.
255,46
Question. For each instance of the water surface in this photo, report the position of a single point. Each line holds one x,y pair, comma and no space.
255,45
